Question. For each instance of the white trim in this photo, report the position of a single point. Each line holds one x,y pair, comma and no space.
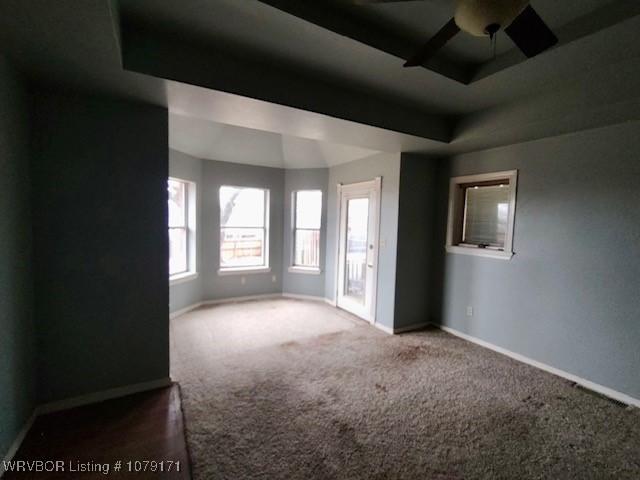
243,270
293,205
191,226
182,278
479,252
296,296
485,177
396,331
305,270
266,227
241,299
331,302
184,310
619,396
373,190
360,185
456,208
101,396
384,328
191,307
336,260
15,446
376,253
411,328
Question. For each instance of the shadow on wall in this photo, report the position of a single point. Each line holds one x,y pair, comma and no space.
439,278
442,263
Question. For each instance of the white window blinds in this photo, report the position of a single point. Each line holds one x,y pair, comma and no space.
486,215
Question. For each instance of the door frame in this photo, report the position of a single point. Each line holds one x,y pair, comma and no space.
374,185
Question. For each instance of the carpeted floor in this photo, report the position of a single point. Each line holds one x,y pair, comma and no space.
288,389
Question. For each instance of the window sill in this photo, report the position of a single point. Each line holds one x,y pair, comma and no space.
243,270
182,278
480,252
305,270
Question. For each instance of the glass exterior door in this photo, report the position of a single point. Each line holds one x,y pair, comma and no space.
358,248
355,281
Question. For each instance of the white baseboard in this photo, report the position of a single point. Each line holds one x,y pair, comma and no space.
13,449
184,310
384,328
615,395
217,301
411,328
101,396
296,296
396,331
69,403
247,298
331,302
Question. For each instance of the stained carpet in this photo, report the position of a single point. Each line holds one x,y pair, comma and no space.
288,389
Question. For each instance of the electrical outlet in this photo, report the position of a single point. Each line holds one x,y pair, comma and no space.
273,278
243,280
469,311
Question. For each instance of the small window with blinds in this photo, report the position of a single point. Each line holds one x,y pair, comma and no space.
481,214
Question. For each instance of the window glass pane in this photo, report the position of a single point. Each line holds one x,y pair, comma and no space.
177,250
486,215
308,209
242,207
307,248
242,247
177,203
357,233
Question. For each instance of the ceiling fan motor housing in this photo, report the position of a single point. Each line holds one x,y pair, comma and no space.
482,17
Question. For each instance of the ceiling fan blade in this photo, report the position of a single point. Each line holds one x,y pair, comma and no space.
438,41
529,32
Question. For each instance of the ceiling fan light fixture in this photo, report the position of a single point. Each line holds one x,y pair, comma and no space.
483,18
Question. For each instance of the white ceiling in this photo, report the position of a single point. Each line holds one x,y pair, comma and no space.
217,141
230,109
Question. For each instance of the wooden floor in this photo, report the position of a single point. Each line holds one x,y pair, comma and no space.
143,427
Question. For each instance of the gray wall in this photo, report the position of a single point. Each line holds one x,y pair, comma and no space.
305,179
17,336
569,297
189,292
214,175
414,267
209,175
387,166
99,171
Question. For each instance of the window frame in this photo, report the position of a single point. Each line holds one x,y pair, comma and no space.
457,211
265,268
190,212
293,267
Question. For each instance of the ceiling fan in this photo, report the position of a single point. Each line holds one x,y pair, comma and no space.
485,18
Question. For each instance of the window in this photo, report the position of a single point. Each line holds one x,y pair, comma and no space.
244,229
481,214
182,248
307,216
